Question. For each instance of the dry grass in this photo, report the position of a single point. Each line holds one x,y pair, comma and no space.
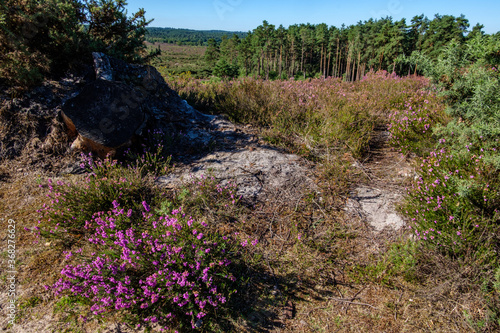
331,280
177,59
316,268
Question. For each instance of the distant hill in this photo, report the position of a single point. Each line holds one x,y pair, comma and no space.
188,36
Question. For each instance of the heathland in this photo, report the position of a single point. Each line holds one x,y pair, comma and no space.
108,247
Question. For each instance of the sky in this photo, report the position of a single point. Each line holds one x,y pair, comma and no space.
246,15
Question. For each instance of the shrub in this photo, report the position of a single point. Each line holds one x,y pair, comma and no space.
72,205
150,265
411,129
469,79
225,70
153,158
205,197
453,206
112,32
166,270
40,39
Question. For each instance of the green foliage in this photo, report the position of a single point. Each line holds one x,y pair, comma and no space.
153,158
224,70
73,204
470,81
212,53
188,36
411,125
454,204
496,283
110,30
309,50
39,39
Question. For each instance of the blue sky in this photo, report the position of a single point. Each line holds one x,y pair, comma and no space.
245,15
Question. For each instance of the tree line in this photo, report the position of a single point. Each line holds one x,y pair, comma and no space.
187,36
309,50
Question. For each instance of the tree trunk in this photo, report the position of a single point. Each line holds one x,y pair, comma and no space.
358,71
321,60
281,59
337,69
328,66
348,68
275,59
324,65
380,62
302,60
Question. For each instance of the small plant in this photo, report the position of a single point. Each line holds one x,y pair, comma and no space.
208,197
30,302
153,158
167,269
411,127
72,205
453,205
496,283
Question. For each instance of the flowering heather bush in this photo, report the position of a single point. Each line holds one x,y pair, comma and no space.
326,112
411,127
167,270
154,269
454,205
72,204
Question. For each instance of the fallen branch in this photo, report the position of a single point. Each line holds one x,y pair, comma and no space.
344,300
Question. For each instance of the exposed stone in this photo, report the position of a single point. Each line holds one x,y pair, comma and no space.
109,110
376,206
102,116
256,171
102,67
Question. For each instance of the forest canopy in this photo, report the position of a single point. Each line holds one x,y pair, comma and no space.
310,50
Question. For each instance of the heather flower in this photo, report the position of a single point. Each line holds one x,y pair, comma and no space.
174,270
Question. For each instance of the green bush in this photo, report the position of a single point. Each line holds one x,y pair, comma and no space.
43,38
72,205
225,70
469,79
454,204
38,37
110,30
411,127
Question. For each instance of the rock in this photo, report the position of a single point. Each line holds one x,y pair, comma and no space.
107,112
257,172
102,67
377,206
103,116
